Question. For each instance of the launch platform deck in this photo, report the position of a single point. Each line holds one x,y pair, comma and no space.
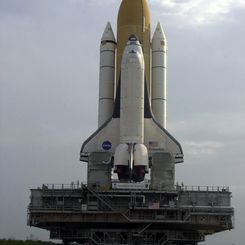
76,213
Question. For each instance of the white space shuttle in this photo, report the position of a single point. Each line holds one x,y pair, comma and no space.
132,95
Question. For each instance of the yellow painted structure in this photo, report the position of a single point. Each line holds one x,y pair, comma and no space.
134,18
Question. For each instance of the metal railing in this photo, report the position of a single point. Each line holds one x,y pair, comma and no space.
78,185
203,188
73,186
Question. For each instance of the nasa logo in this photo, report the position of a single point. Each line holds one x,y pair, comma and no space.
107,145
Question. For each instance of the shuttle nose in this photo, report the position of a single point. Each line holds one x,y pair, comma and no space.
133,53
133,38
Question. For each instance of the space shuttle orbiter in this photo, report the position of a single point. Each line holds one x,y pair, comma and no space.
132,95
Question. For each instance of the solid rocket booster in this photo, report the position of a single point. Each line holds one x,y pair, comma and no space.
132,98
107,75
159,76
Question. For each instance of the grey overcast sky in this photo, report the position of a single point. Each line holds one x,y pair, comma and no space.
49,59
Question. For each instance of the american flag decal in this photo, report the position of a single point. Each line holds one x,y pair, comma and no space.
155,205
153,144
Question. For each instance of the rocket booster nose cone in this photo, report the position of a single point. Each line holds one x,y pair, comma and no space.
159,40
159,33
108,34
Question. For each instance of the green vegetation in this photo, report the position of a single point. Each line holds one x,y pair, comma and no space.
27,242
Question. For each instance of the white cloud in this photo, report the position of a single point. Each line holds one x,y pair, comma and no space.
96,2
224,123
198,148
197,12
